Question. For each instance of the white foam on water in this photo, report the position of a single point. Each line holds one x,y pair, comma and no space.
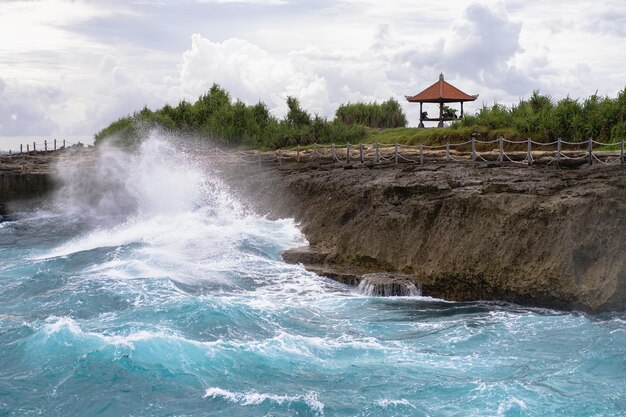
181,220
384,403
512,405
255,398
280,346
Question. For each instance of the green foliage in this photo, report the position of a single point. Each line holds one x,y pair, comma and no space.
214,116
388,114
541,118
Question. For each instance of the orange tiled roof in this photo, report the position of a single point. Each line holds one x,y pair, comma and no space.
441,92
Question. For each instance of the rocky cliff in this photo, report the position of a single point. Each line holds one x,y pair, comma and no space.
537,236
459,231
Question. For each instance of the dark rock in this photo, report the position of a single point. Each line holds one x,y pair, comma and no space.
532,235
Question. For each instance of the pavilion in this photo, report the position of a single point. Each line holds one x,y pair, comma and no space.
440,92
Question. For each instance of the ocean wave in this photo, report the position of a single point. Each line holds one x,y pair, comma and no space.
384,403
255,398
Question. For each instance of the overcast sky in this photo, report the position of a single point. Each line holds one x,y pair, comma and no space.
72,67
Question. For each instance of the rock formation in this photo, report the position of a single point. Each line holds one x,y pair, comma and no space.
531,235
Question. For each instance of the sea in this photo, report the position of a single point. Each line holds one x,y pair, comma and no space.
144,287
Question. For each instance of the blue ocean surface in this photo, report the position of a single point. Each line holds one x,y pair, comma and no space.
143,288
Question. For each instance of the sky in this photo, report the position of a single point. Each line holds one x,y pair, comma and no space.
71,67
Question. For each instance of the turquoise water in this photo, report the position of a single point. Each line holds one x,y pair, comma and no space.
145,289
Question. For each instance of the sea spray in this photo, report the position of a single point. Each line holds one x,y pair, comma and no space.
153,178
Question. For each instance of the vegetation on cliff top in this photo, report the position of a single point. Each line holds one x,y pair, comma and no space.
217,117
538,117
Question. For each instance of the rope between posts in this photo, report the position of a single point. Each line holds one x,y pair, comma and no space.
585,143
480,156
544,143
405,158
606,144
525,161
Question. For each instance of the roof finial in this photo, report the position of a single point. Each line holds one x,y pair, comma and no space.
441,76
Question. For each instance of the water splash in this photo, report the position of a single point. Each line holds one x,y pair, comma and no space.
155,178
387,285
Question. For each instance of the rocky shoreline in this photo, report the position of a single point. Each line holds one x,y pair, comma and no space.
459,231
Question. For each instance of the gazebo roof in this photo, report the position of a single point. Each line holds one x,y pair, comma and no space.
441,92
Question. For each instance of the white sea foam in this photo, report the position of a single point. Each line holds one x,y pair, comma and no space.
511,405
384,403
255,398
180,220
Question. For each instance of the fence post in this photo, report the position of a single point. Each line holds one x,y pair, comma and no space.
558,152
396,157
28,148
298,154
421,154
348,153
447,151
63,143
590,151
361,152
55,144
501,143
473,149
10,152
378,152
315,152
45,145
622,152
21,148
280,162
34,147
334,153
530,152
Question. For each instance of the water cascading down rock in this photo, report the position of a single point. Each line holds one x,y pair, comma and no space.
388,285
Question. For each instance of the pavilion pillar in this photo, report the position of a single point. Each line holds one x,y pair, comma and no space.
440,114
461,110
421,120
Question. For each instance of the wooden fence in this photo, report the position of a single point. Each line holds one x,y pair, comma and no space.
501,150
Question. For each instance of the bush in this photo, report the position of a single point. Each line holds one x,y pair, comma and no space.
541,118
388,114
215,117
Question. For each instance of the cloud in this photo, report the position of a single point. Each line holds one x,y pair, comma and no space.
607,22
249,2
321,80
23,109
75,66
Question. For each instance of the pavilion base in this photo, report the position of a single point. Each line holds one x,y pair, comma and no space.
421,125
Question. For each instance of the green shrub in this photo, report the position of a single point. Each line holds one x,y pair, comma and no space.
215,117
388,114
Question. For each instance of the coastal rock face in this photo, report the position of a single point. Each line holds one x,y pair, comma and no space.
536,236
23,186
461,231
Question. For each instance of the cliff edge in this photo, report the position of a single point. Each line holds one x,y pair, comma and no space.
532,235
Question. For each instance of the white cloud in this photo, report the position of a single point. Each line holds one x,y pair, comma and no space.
249,2
24,108
75,66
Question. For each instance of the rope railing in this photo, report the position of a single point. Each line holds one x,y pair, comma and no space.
395,153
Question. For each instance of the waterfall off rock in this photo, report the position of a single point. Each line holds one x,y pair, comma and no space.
388,285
